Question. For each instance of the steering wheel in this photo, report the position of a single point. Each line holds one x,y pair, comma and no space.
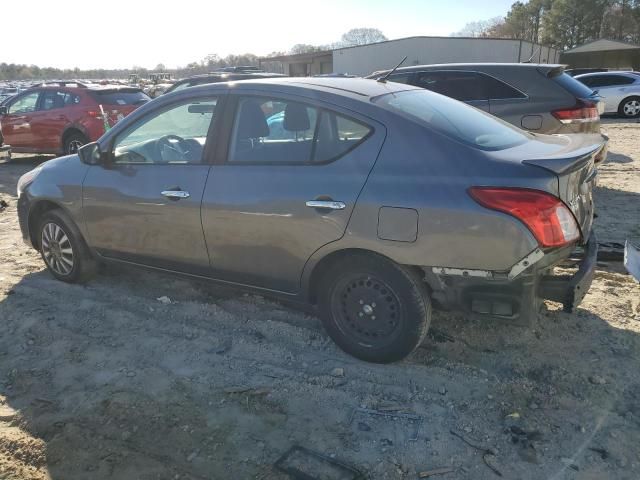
175,143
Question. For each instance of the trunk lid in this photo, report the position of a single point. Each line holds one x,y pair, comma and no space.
573,163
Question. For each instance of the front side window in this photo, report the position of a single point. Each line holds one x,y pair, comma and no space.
268,130
25,104
454,119
175,135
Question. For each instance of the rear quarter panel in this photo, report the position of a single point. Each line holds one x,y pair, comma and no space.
430,173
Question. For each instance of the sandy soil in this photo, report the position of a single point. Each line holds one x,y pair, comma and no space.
104,381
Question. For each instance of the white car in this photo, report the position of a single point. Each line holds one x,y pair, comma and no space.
620,90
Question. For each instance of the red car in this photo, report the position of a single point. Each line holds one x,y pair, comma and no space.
60,117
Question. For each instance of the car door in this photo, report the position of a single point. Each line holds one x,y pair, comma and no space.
144,205
465,86
49,121
287,186
16,124
614,89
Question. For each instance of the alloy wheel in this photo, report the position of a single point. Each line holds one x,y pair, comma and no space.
74,146
57,249
631,108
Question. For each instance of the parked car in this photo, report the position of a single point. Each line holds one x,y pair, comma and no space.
620,90
579,71
388,198
216,77
537,97
62,116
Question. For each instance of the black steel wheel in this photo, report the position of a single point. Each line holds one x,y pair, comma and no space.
374,309
63,249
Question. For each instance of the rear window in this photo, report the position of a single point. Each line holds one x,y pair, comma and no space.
454,119
573,86
120,97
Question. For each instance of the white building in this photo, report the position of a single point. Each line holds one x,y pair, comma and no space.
365,59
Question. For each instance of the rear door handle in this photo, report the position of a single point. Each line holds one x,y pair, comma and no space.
326,204
175,194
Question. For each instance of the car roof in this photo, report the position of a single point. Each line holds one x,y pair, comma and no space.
357,88
457,66
599,74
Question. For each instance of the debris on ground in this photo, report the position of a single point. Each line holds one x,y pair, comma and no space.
164,300
435,471
303,464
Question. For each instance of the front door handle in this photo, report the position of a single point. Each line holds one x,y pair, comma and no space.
326,204
175,194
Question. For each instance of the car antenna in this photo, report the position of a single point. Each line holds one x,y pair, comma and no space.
531,57
384,79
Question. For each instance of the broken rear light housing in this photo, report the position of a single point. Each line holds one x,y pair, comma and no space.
582,112
547,217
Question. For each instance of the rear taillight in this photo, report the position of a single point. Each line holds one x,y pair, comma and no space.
583,112
548,218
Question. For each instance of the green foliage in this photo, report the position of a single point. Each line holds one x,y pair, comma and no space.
567,23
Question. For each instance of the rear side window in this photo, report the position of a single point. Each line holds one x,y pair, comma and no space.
596,81
463,86
52,99
454,119
120,97
498,90
277,131
573,86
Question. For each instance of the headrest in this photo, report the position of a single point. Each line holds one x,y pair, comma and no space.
296,118
252,123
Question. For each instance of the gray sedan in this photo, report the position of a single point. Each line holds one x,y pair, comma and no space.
381,200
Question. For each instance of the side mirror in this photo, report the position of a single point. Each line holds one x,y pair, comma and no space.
91,154
4,110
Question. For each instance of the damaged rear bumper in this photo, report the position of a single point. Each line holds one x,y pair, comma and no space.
571,289
517,293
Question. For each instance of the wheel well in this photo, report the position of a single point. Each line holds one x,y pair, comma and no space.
326,262
69,132
627,98
36,212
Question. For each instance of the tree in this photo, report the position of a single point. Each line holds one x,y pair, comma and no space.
362,36
481,28
304,48
160,67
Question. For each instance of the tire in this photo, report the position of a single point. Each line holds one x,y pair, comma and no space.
63,249
73,141
374,309
629,107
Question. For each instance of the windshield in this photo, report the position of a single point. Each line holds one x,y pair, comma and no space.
454,119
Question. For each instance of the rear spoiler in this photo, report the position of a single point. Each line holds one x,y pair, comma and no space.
551,71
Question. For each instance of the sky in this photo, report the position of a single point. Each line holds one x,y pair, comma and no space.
123,33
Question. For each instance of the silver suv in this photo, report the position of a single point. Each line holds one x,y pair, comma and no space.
369,200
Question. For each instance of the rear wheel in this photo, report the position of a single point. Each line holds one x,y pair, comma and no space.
629,107
374,309
73,142
63,249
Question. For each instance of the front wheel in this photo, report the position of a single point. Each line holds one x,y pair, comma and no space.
630,107
374,309
63,249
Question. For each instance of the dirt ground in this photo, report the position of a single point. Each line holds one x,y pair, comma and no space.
105,381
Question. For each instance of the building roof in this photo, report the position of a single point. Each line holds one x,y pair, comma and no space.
602,45
297,57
